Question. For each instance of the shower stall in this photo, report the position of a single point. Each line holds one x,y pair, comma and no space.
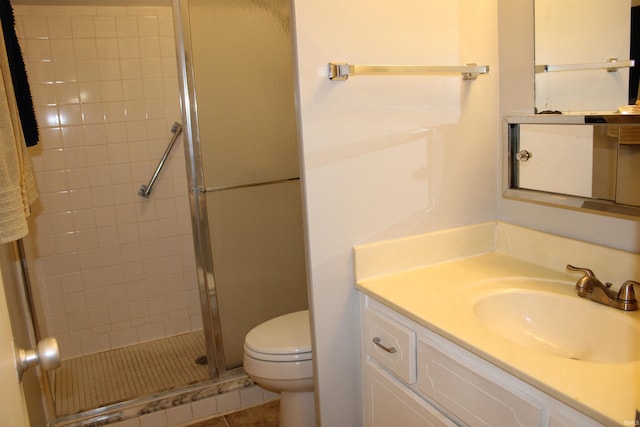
215,249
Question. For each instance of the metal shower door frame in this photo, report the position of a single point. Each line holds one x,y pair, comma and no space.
195,177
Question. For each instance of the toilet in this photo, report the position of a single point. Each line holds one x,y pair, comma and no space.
277,356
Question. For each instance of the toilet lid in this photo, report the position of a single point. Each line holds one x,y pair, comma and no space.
288,334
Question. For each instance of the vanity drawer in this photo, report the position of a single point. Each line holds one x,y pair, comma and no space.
390,343
449,375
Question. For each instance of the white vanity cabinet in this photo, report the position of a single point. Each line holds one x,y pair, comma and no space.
391,403
414,377
390,370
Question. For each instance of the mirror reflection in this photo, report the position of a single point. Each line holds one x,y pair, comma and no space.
575,41
590,162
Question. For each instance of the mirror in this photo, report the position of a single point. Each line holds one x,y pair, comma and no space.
583,53
587,162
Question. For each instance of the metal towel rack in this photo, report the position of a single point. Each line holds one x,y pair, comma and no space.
343,70
611,66
145,190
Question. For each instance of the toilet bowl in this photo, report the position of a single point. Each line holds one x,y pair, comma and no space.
277,356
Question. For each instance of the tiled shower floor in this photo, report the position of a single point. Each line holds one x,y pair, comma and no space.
113,376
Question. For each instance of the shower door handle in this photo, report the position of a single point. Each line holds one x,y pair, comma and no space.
46,354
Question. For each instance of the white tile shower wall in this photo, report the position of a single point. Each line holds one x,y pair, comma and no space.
109,267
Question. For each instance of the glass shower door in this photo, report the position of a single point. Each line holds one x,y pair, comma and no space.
245,173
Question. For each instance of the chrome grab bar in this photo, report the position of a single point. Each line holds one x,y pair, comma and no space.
145,190
342,70
611,65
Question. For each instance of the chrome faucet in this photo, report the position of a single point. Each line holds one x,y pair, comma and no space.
588,286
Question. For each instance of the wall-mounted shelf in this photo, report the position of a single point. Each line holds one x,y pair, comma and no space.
612,65
343,70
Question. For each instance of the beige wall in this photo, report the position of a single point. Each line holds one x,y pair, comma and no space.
387,156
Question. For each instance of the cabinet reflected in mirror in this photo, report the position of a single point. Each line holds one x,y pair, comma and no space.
582,162
585,35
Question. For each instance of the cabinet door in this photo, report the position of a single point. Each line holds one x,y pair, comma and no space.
469,390
388,403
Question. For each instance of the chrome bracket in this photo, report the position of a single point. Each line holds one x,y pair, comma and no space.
338,71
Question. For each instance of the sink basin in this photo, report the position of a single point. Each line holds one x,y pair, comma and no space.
559,323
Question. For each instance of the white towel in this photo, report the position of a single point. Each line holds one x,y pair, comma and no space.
17,185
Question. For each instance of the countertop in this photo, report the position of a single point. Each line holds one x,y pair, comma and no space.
434,296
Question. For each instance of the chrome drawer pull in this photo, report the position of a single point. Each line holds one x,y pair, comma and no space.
376,341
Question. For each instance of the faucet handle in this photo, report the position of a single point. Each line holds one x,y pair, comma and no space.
586,271
626,292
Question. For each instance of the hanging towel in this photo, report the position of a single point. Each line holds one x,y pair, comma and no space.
17,185
18,75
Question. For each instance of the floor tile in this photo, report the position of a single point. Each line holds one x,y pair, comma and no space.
265,415
101,379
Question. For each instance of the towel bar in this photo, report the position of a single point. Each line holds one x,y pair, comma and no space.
342,70
611,65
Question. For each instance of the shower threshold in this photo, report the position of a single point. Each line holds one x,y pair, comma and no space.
125,383
232,380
